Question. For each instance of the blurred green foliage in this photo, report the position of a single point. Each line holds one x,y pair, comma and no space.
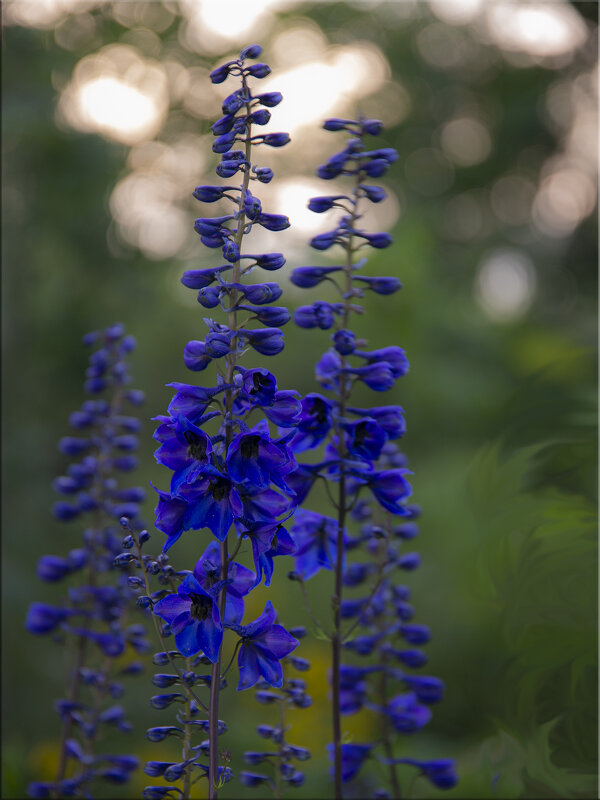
501,421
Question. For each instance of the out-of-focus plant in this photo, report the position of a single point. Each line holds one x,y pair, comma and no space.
93,621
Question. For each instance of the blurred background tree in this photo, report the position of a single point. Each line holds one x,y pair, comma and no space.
492,107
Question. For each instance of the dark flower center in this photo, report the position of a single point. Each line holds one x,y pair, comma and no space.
259,381
197,446
360,434
201,607
318,411
219,489
212,576
249,448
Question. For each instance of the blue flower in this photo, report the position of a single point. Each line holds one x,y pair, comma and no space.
406,713
263,645
365,438
440,772
193,616
314,423
212,499
316,542
182,443
353,757
256,458
240,580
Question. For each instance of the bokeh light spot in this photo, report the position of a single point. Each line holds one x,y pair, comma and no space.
466,141
505,284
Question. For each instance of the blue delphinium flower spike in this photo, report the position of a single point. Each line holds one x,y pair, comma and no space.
92,619
364,474
229,478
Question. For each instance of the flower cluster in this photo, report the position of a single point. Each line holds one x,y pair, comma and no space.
282,755
361,457
93,617
231,445
229,476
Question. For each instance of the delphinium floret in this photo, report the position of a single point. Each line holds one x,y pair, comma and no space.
360,456
94,620
229,475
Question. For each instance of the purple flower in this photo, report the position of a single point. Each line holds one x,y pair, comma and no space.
263,645
316,542
193,616
440,772
240,581
314,424
389,487
182,443
212,500
256,458
406,713
365,438
353,757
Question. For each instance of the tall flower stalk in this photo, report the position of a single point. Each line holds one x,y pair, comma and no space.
360,456
230,478
94,618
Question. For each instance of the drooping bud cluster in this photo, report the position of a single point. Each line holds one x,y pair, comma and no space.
281,757
361,457
92,619
230,478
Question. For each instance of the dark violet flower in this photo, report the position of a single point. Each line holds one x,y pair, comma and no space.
389,487
316,542
181,443
307,277
211,497
263,645
428,690
314,424
256,458
353,757
407,714
43,618
240,581
365,438
390,418
379,285
440,772
193,616
267,341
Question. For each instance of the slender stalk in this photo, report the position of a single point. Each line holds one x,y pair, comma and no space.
336,639
213,714
73,694
278,792
387,743
187,776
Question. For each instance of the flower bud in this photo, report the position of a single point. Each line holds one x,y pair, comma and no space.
160,733
343,341
195,356
252,51
52,568
269,99
258,70
263,174
220,74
